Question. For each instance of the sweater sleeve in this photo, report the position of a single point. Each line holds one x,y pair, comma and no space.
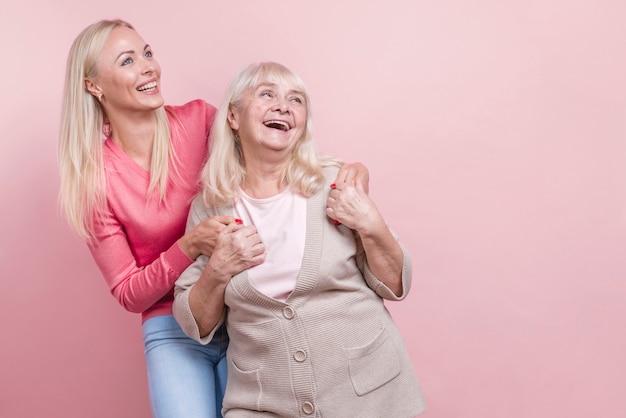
181,308
374,283
135,287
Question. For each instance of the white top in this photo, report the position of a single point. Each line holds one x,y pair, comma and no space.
281,223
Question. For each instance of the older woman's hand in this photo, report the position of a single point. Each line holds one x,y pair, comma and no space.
238,248
202,238
349,204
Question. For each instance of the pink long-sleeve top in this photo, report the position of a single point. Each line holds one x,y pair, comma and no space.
136,245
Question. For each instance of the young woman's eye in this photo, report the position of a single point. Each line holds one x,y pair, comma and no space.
148,54
127,61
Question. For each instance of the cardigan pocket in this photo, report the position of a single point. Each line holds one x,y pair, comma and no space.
243,388
374,364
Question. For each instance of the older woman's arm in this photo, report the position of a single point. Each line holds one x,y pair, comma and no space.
199,291
350,205
238,248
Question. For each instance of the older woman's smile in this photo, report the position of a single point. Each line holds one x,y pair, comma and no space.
277,124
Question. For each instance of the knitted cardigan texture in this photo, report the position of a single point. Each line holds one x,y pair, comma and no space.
330,350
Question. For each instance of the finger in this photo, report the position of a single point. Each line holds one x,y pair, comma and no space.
358,184
345,173
258,249
360,172
246,232
330,212
340,176
223,219
232,228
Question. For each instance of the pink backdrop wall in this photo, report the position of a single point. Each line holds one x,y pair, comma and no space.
495,136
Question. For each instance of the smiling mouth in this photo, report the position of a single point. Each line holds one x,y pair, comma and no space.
148,86
277,124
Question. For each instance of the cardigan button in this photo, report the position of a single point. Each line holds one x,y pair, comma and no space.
289,312
299,355
308,408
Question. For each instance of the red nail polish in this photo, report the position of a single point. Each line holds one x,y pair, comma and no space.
239,221
332,186
336,222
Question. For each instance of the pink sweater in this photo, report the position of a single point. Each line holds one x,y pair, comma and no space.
136,245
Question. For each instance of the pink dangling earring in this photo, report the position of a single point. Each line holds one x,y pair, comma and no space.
106,128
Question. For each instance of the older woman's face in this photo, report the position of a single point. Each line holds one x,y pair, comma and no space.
271,117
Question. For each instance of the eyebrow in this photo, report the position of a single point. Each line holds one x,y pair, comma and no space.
270,84
130,51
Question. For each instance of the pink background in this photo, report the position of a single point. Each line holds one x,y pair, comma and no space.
495,136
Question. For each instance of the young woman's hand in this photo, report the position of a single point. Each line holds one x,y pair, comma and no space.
350,172
203,237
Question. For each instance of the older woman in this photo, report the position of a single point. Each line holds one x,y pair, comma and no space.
310,335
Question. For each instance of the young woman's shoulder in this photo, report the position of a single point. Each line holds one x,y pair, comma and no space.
193,108
193,118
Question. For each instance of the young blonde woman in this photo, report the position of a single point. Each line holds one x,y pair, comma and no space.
310,334
129,168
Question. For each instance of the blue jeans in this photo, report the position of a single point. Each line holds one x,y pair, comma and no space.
185,378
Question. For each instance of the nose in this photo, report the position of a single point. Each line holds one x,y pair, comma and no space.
148,66
282,105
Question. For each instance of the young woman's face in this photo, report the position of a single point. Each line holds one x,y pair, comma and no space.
128,76
271,117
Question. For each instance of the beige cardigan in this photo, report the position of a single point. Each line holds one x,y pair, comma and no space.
330,350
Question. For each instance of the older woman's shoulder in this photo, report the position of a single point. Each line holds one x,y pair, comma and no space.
330,172
330,166
201,207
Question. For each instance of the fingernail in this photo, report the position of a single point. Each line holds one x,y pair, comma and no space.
332,186
239,221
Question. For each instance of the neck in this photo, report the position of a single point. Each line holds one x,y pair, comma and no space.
263,181
134,134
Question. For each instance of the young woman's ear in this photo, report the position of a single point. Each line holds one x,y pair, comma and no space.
93,88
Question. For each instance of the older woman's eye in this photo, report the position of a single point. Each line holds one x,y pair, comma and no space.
297,100
266,93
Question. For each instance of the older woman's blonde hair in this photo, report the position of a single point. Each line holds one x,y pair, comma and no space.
225,169
82,189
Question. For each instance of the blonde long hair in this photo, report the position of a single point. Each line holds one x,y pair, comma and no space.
83,185
225,170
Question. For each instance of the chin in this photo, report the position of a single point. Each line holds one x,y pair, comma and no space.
155,103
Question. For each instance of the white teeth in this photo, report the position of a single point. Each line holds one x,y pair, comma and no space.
278,124
148,86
